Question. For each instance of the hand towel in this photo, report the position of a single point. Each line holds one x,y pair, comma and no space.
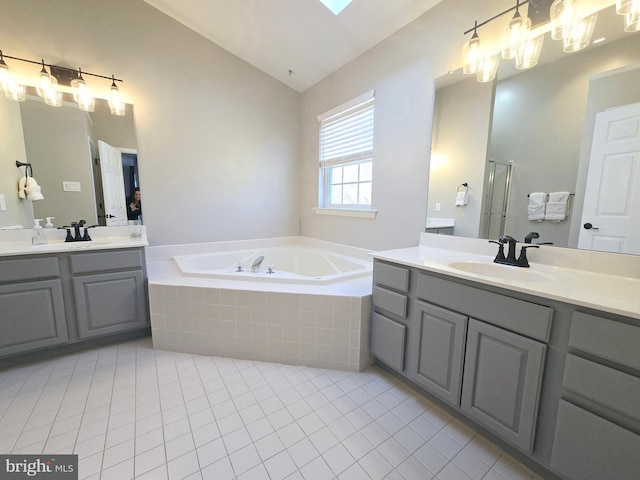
462,199
557,206
535,209
29,189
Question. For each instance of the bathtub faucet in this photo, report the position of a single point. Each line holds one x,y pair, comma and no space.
255,268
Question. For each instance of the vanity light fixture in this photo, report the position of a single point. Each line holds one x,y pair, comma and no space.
515,34
630,9
472,53
571,23
48,88
116,104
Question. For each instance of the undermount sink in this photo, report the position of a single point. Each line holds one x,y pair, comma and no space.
504,272
71,245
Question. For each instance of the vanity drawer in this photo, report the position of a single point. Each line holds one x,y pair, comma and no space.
388,341
608,387
527,318
389,301
109,260
21,269
606,338
588,447
391,276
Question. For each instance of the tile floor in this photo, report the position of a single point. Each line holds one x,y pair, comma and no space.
130,411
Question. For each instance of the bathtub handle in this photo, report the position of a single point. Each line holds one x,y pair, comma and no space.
240,269
270,268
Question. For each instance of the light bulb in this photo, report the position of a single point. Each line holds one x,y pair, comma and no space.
472,55
116,104
515,35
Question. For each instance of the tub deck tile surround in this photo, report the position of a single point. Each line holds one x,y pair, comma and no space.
324,326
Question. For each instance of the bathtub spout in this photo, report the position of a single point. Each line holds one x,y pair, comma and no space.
255,268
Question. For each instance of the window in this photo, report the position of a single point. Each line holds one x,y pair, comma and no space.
346,155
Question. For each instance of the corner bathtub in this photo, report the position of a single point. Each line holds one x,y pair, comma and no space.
315,310
290,264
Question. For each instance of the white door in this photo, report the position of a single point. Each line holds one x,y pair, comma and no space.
611,213
115,204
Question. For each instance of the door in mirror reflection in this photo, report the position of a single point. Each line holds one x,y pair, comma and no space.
112,185
498,184
611,214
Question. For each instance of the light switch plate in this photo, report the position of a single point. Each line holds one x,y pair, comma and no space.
71,186
3,204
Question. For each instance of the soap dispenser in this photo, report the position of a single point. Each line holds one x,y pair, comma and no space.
38,237
49,223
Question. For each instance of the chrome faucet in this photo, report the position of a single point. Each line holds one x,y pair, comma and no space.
255,268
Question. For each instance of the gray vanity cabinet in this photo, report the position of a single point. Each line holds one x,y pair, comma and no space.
109,292
442,336
598,423
502,380
48,302
389,320
32,313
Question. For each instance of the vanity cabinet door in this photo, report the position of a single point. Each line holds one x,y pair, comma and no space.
441,335
109,303
388,341
32,316
502,379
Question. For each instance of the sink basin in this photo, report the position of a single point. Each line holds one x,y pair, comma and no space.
60,246
503,272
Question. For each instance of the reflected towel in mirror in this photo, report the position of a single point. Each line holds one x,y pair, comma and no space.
556,210
29,189
535,209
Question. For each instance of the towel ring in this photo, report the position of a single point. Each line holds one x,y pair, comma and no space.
28,170
465,185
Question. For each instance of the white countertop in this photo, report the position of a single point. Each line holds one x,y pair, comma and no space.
18,242
602,281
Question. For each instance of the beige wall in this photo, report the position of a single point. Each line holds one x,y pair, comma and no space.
217,138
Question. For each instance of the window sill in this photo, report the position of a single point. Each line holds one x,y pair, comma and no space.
347,212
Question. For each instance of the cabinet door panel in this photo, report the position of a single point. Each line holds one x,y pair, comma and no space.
587,447
32,316
502,377
110,303
441,350
388,341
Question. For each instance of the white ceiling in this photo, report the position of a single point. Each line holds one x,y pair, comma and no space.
303,36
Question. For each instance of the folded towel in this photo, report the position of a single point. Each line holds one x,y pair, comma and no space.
557,206
535,209
462,199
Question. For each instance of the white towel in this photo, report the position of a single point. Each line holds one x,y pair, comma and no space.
462,199
557,206
29,189
535,209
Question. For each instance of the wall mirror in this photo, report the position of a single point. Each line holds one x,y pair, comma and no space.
532,131
84,162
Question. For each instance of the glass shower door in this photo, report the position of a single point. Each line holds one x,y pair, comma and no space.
497,199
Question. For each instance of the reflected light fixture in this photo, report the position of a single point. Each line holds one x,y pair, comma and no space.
529,54
489,69
515,34
47,86
571,24
630,10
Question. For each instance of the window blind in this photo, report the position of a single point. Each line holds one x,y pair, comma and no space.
347,137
